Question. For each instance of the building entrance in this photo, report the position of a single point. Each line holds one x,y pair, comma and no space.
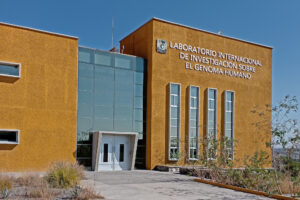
114,153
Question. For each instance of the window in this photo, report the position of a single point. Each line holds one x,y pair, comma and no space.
10,69
228,122
105,153
174,121
193,122
121,153
9,136
211,125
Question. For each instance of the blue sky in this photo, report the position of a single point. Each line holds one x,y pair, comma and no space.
274,23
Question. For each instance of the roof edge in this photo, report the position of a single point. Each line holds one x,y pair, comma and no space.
95,49
38,30
137,28
197,29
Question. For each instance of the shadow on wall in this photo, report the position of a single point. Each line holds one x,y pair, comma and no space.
7,146
187,118
167,111
7,79
204,122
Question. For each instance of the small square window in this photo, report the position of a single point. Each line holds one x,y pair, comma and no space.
9,136
10,69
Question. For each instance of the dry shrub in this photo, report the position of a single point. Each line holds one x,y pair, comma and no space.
288,187
88,193
42,191
285,186
29,180
5,182
64,174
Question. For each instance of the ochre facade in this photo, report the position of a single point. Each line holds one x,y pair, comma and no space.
250,94
42,103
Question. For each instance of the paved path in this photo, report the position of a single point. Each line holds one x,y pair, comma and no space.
154,185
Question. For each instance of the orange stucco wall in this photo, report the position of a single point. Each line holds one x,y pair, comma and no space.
252,94
42,104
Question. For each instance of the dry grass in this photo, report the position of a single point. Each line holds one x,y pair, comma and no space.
287,187
29,180
42,191
5,182
64,175
88,193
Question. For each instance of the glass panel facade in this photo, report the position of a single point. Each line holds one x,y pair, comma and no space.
123,61
211,133
193,122
174,122
229,103
111,97
103,58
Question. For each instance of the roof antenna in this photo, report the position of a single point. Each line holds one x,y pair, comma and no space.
112,32
113,48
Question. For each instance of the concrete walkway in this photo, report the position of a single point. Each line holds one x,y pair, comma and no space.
154,185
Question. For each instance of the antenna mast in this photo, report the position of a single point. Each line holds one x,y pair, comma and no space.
112,32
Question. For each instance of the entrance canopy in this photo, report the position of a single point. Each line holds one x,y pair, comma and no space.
114,151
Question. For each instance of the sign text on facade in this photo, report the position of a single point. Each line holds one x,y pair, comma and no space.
217,62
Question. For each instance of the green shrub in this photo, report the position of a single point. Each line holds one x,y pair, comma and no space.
292,166
64,175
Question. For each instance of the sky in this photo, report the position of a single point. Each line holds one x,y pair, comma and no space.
274,23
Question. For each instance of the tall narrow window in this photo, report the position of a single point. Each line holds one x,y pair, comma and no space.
228,120
193,122
174,122
211,131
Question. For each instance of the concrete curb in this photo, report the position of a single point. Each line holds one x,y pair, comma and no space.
243,190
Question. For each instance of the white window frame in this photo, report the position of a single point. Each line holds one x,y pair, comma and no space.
13,131
178,120
225,110
207,119
197,122
18,65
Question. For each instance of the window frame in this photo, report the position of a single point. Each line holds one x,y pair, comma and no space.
178,120
224,122
16,131
18,65
197,122
207,118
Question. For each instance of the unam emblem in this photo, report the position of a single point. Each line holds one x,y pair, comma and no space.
161,46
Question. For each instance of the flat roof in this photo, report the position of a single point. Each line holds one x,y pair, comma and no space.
197,29
38,30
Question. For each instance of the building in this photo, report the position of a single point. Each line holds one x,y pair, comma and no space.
157,102
38,104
